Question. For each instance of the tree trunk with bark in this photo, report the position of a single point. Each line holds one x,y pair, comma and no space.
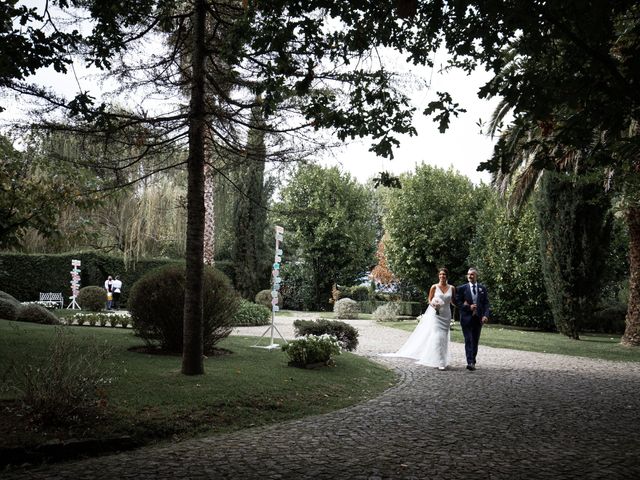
210,215
192,361
631,335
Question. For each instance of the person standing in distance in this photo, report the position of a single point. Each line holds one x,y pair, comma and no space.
108,286
117,288
472,299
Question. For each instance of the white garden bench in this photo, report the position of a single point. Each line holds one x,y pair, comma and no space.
53,298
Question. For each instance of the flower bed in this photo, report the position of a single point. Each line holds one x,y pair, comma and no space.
312,350
110,319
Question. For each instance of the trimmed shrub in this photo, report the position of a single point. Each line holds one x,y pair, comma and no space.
34,313
9,298
9,306
26,275
156,304
345,333
345,308
387,312
409,309
251,314
359,293
312,349
92,298
263,297
608,320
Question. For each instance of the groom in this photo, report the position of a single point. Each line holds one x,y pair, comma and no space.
473,301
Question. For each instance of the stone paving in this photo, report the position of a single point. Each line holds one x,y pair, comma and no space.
521,415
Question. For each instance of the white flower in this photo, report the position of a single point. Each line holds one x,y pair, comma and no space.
436,303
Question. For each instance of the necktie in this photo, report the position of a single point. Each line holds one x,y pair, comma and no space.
473,287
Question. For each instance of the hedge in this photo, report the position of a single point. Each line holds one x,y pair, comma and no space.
24,276
410,309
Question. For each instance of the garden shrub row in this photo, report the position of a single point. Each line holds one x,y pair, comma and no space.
410,309
24,276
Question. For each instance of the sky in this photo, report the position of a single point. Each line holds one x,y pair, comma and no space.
463,147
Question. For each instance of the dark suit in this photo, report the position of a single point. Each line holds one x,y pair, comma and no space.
471,322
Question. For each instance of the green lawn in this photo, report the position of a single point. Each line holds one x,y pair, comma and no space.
604,346
150,399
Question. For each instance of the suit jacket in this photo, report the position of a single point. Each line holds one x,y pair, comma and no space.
463,294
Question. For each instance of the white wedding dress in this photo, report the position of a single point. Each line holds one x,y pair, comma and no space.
429,342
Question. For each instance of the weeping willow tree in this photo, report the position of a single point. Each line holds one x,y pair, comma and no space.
154,222
133,209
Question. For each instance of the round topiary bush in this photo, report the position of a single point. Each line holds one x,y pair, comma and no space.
345,308
10,298
387,313
9,306
263,297
34,313
92,298
251,314
156,304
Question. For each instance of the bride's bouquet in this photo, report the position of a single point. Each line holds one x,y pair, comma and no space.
436,303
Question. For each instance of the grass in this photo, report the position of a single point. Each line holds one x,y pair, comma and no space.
150,400
603,346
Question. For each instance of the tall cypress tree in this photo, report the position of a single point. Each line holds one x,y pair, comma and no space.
250,256
575,220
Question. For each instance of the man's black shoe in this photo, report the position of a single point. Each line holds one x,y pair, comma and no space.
471,367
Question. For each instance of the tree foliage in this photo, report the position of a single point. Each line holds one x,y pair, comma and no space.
250,251
573,67
506,252
431,222
568,72
329,224
573,256
34,191
381,273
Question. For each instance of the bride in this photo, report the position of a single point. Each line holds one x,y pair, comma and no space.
429,342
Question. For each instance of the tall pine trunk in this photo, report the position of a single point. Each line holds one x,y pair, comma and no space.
210,214
631,335
192,362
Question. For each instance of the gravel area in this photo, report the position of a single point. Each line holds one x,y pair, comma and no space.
521,415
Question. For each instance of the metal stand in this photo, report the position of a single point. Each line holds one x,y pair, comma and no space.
275,288
73,305
271,328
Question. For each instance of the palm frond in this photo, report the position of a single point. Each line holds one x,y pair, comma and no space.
523,186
